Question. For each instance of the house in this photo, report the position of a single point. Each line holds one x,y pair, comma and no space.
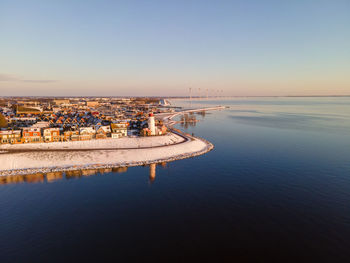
162,130
103,132
71,136
52,135
145,132
13,137
119,129
32,134
68,120
86,133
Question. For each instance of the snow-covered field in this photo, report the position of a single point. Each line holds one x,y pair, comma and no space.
39,161
121,143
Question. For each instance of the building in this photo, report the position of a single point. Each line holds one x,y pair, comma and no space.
86,133
145,132
32,134
71,136
12,137
119,129
52,135
22,120
151,124
103,132
161,130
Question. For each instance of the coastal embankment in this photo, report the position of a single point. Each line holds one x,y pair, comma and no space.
102,144
51,161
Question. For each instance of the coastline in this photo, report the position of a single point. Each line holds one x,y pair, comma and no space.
203,148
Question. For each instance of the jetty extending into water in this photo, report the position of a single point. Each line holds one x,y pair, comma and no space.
167,117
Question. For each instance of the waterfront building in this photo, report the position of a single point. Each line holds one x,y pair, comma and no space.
103,132
162,130
32,134
51,135
71,135
119,129
86,133
12,137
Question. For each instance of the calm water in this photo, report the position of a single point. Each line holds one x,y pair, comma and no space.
276,186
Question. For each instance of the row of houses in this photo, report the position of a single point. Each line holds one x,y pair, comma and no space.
37,134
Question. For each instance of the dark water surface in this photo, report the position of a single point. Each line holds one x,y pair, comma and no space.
276,186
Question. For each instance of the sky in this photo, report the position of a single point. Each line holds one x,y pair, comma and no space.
164,47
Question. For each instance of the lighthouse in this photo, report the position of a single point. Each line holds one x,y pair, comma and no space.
151,124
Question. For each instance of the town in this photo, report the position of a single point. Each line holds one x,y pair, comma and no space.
45,120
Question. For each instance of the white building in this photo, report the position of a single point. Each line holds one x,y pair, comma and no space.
86,133
51,134
119,129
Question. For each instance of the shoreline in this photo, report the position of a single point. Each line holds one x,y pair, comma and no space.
42,170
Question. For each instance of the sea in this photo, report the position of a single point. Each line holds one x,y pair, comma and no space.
276,187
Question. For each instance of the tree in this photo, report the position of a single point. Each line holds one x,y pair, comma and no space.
3,121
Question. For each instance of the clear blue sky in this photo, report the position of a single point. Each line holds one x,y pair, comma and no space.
82,47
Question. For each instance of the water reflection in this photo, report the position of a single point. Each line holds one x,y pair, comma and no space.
152,172
54,176
120,169
28,178
72,174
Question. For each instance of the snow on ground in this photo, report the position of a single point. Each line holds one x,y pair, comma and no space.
61,159
109,143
